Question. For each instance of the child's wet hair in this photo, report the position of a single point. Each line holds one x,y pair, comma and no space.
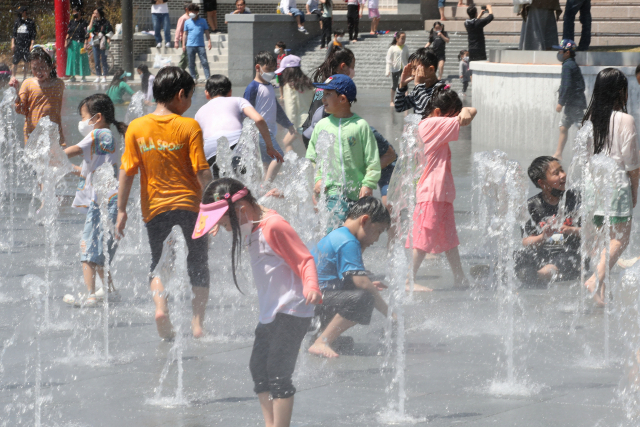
5,73
538,168
229,186
265,58
372,207
168,83
339,55
338,32
445,99
425,57
144,78
396,36
218,84
101,103
39,54
118,73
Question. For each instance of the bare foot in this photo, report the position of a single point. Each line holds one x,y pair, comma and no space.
418,288
444,19
392,104
323,350
165,328
196,328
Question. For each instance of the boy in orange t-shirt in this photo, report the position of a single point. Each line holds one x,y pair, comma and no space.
168,151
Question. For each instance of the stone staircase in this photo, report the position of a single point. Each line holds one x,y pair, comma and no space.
218,56
371,53
614,22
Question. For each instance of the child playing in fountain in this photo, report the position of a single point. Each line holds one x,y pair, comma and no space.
551,244
40,95
119,87
421,69
262,97
168,151
355,171
285,275
434,224
349,296
571,95
96,148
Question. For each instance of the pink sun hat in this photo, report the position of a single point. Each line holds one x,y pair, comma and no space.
288,61
211,213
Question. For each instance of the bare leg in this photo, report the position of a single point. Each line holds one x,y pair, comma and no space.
212,19
393,96
287,141
89,275
199,304
271,170
442,18
266,404
282,410
418,257
100,271
547,272
460,280
562,140
322,346
163,323
440,69
298,21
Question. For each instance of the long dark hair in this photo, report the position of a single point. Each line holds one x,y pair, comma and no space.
117,76
610,94
432,33
328,3
396,36
296,78
229,186
329,67
38,53
445,99
101,103
144,78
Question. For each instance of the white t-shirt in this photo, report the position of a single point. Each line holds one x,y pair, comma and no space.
160,8
98,147
221,116
373,4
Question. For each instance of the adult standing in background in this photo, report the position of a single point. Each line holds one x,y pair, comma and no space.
102,30
475,31
354,13
438,39
22,40
76,43
570,10
539,24
160,17
211,9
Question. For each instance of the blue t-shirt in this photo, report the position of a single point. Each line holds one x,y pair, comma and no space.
196,31
338,255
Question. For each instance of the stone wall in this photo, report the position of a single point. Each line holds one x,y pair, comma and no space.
141,45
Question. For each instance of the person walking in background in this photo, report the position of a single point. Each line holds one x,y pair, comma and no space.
22,40
184,61
539,24
354,13
327,22
571,95
438,39
211,9
288,7
475,31
570,10
374,15
195,29
397,59
76,44
102,31
160,17
464,71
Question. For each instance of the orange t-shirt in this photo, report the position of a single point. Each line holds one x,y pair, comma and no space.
36,102
169,152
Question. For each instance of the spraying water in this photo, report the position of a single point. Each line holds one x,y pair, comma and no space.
8,156
136,107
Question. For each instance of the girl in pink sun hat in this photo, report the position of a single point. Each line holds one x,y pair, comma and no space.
285,275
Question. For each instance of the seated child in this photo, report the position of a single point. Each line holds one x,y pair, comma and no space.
348,295
355,170
551,244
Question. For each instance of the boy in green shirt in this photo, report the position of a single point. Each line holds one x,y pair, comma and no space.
354,168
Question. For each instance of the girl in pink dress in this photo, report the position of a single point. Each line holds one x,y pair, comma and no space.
434,225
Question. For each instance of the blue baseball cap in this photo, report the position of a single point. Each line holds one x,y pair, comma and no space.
566,45
340,83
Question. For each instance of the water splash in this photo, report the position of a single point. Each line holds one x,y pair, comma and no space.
136,107
249,167
9,148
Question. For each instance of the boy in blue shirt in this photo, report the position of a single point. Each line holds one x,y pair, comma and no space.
193,40
348,294
261,95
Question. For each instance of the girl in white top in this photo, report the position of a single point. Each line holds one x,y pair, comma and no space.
397,59
146,83
285,275
614,134
223,116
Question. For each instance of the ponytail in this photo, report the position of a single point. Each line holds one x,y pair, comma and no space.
396,36
339,55
445,99
101,103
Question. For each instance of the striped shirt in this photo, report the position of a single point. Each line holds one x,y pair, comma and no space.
416,99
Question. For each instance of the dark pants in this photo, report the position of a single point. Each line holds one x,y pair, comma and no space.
275,352
353,304
197,260
571,10
202,54
465,85
353,21
529,260
326,32
100,58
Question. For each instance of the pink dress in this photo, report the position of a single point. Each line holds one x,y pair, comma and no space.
434,225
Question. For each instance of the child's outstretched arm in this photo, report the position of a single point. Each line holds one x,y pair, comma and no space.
466,116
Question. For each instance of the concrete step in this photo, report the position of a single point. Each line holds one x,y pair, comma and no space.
212,57
213,68
600,12
514,25
495,3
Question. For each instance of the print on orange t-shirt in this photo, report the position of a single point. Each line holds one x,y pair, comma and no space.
168,151
36,101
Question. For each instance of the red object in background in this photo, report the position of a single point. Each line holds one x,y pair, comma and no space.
62,23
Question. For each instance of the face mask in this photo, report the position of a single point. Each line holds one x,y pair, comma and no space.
560,56
267,76
85,128
192,15
352,72
557,193
339,38
276,51
466,58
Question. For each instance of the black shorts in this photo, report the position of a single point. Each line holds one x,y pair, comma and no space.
528,261
21,55
210,5
355,305
197,260
275,352
395,79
